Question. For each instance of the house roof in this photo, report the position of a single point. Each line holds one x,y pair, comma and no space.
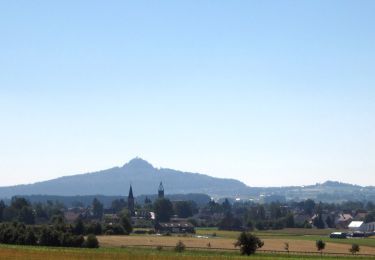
355,224
344,217
361,215
176,225
71,216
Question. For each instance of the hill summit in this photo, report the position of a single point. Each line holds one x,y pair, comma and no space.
141,174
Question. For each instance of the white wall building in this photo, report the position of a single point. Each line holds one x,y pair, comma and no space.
362,226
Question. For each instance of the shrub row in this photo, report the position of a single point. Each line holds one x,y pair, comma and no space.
18,233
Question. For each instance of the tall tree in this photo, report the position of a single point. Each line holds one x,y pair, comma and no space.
26,215
97,208
183,209
163,210
2,207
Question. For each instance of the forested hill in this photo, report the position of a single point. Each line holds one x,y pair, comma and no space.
145,179
142,175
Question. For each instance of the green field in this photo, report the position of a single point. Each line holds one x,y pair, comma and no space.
294,234
125,247
31,253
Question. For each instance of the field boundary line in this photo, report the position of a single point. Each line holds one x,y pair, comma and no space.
259,250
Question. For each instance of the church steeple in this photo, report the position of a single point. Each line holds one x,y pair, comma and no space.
131,201
161,191
131,192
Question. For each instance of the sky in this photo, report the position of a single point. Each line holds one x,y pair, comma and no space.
272,93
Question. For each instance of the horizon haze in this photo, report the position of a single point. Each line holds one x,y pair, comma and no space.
144,179
271,93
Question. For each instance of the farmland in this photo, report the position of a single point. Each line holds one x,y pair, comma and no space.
291,234
36,253
207,244
226,239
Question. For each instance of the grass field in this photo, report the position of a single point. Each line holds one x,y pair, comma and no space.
127,247
300,240
292,234
272,244
36,253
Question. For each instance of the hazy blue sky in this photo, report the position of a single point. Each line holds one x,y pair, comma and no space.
269,92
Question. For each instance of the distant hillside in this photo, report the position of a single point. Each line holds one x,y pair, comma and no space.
145,179
142,175
329,191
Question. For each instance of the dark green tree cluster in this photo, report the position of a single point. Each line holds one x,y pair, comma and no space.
278,217
185,209
163,210
248,243
96,228
48,212
229,222
53,235
17,233
19,210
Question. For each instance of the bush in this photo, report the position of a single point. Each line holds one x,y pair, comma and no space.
79,227
354,249
30,238
114,229
91,241
49,237
180,247
70,240
94,228
248,243
320,245
159,248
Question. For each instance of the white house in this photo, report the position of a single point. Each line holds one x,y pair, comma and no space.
362,226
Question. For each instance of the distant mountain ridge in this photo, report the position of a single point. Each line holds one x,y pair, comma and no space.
138,172
145,180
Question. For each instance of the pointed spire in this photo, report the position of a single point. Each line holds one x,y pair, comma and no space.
161,188
131,192
161,191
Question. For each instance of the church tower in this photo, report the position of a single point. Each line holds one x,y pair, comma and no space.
131,201
161,191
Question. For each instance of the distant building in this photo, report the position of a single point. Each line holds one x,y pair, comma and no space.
111,219
362,226
71,216
342,221
161,191
370,227
176,225
360,216
301,219
356,225
131,201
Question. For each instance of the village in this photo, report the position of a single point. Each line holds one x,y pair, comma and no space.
350,219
